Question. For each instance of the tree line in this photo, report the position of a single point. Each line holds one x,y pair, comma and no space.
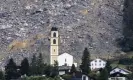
37,67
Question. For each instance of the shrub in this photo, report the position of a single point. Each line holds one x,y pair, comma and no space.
66,77
40,78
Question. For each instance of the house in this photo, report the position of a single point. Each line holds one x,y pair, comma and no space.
120,70
97,64
119,74
65,59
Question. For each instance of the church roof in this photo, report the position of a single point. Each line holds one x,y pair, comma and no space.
54,29
65,54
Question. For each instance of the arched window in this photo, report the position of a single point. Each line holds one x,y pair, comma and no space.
54,41
54,34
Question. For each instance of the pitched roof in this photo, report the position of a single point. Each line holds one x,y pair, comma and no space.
64,67
65,54
118,74
98,59
125,70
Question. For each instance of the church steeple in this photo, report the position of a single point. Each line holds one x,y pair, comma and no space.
54,45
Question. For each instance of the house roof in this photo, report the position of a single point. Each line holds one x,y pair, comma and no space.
98,59
65,54
64,67
118,74
125,70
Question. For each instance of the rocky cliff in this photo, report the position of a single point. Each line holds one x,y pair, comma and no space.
25,27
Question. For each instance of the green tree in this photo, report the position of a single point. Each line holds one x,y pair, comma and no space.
108,67
11,71
126,42
55,70
33,66
40,64
103,74
48,70
73,69
85,65
2,76
24,68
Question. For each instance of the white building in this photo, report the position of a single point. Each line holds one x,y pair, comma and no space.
97,63
119,74
120,70
65,59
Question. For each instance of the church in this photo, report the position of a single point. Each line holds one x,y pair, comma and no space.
63,59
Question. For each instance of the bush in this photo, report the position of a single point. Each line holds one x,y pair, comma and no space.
126,61
66,77
36,78
2,76
40,78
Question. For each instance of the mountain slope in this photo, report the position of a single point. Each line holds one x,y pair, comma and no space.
95,24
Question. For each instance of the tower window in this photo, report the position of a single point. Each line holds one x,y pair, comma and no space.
54,34
54,41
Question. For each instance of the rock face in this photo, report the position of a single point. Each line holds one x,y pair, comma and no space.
95,24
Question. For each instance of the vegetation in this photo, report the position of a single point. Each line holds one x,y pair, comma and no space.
126,61
24,68
48,70
11,70
126,42
33,66
40,64
108,67
67,76
40,78
73,69
37,70
85,62
2,77
34,70
55,70
103,74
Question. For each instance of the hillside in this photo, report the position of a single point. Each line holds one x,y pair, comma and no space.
95,24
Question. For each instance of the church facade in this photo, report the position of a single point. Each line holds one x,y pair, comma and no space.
63,59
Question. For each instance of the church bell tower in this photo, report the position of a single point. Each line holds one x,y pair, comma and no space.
54,45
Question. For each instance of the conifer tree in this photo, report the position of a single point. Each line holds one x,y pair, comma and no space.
24,68
73,69
55,70
103,74
85,65
108,67
2,76
48,70
40,64
33,66
11,70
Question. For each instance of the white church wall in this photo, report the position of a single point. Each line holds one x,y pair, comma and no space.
65,58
